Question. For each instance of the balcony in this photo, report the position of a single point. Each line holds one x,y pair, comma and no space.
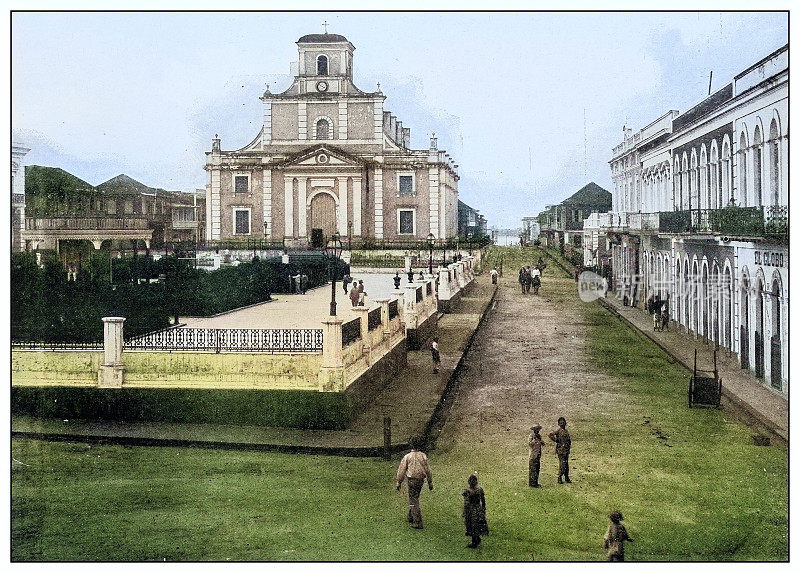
770,222
643,221
84,223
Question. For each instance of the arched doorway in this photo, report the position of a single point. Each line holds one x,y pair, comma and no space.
776,374
759,334
715,295
323,216
744,326
695,299
727,309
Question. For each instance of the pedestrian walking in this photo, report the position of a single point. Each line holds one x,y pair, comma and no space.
616,536
346,280
534,463
437,359
361,293
397,280
563,445
414,468
474,513
521,279
354,294
494,276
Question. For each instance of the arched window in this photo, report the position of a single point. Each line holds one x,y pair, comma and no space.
742,156
676,186
727,189
686,189
705,188
757,151
716,196
774,163
323,129
322,65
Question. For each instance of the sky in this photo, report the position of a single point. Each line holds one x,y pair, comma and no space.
528,104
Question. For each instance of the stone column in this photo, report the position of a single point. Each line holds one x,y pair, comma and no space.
111,373
378,195
410,305
288,210
362,312
384,302
342,220
357,206
302,210
331,375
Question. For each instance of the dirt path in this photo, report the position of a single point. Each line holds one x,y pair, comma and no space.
527,365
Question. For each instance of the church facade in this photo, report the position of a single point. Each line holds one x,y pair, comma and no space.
329,158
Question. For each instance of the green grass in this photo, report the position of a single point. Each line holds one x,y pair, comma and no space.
690,482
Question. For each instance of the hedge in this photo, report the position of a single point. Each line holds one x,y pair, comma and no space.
280,408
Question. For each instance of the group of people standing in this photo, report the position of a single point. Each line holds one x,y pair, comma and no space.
356,293
530,277
415,469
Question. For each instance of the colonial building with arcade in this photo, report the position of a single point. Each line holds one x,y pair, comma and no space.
700,217
329,158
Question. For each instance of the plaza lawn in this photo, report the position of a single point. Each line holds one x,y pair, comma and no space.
691,483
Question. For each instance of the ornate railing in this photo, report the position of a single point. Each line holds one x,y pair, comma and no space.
244,244
351,331
31,345
643,221
368,243
393,309
737,221
674,221
776,222
229,340
377,262
374,319
84,223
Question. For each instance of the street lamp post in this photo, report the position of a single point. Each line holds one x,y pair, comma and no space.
431,239
333,249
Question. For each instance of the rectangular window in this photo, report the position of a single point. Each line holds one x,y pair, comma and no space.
128,207
111,207
405,218
405,185
241,221
241,184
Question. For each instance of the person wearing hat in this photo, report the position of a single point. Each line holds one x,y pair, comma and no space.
414,468
615,537
563,445
535,444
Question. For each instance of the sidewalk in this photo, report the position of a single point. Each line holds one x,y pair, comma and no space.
741,387
411,400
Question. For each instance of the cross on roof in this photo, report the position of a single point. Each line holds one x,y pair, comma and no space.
325,25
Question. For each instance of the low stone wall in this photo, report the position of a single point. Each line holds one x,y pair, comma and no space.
362,391
144,369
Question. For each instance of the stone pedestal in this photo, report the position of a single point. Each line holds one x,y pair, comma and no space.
331,375
111,373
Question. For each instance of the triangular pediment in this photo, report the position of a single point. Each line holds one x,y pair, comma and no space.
323,156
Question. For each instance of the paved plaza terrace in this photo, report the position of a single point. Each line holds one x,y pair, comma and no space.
304,310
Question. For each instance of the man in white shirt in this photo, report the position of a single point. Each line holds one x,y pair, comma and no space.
414,468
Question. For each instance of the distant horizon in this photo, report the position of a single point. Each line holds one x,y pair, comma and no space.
143,93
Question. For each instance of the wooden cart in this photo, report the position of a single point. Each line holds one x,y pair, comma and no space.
705,387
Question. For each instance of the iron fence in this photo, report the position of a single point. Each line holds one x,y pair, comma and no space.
248,244
39,345
351,331
429,289
85,223
737,221
419,294
374,319
674,221
776,221
229,340
393,309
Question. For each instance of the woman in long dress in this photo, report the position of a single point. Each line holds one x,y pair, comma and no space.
474,511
